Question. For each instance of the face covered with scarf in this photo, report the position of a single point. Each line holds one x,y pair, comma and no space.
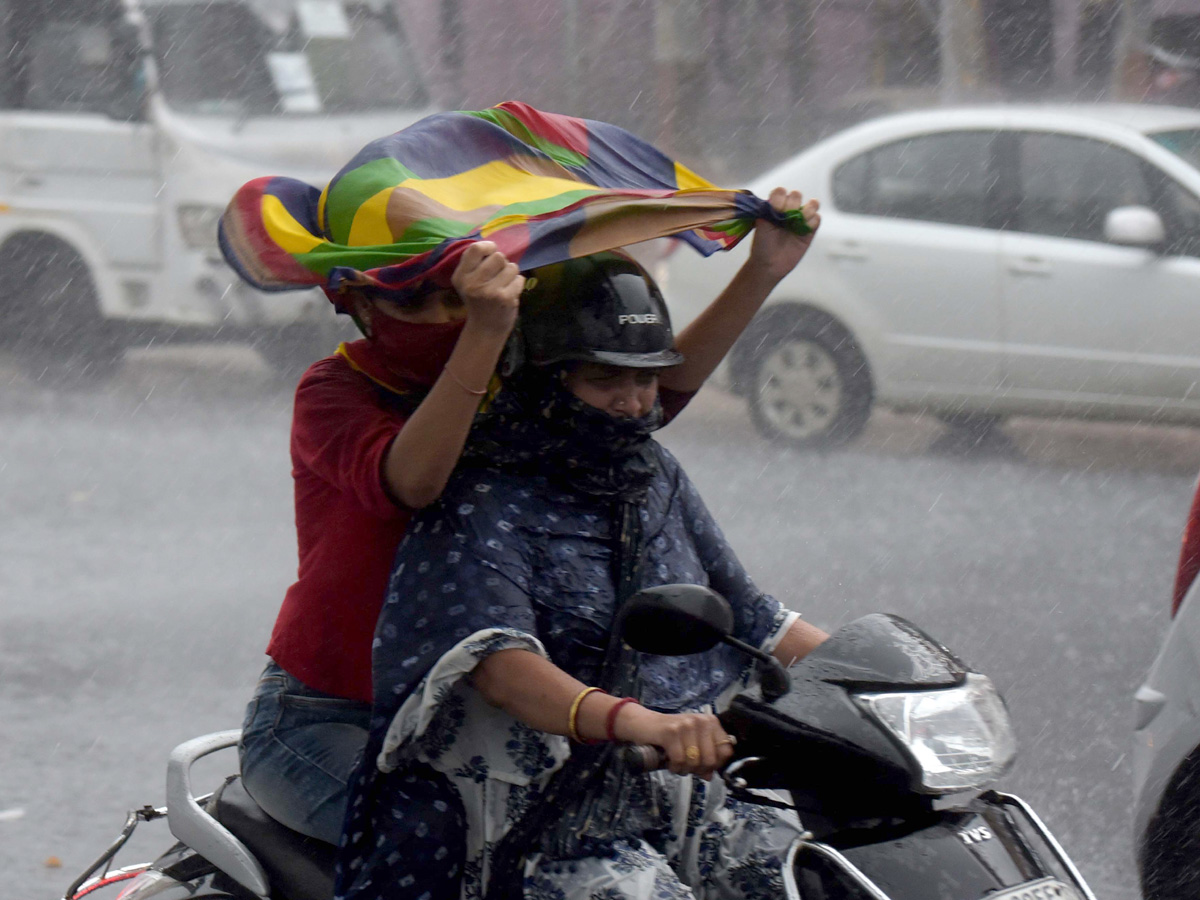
620,391
580,408
410,336
586,426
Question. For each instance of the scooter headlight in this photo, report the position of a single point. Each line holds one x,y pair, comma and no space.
960,737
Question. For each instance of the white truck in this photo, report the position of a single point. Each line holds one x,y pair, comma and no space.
125,128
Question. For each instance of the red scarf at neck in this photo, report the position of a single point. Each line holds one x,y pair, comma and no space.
404,357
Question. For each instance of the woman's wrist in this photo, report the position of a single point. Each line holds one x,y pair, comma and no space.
758,275
595,716
489,336
475,357
610,721
634,723
492,325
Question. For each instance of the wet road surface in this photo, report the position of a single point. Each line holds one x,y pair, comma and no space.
146,541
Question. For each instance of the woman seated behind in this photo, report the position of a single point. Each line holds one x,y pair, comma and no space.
498,623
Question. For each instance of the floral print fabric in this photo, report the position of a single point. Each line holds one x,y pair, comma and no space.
714,848
506,561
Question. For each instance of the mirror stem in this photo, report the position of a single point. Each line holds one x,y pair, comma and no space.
773,677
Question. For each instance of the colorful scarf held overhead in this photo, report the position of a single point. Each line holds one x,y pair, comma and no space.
543,187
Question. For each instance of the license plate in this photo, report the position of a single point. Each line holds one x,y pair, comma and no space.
1046,889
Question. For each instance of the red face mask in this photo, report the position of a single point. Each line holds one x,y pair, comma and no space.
403,354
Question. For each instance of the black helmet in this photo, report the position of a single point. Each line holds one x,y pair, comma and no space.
601,308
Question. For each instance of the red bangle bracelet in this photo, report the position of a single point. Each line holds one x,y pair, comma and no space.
611,722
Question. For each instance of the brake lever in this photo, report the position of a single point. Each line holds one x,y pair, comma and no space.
740,789
730,776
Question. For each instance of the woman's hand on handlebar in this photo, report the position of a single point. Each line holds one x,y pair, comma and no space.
695,743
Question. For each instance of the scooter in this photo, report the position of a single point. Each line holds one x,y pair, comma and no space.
883,740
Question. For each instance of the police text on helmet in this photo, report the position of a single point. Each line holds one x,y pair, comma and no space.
636,319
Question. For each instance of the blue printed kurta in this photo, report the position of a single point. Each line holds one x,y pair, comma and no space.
510,561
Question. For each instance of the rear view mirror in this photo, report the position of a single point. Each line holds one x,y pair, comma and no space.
675,620
680,619
1134,226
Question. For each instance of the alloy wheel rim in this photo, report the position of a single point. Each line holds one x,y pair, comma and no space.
800,389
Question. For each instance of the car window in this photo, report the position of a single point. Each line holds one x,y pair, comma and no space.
1184,143
935,178
1068,185
1180,209
76,66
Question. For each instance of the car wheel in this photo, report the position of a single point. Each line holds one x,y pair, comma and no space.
54,323
809,384
1170,852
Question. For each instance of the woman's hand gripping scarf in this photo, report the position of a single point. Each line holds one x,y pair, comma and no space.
543,187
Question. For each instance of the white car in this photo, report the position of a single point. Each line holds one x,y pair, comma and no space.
979,262
1166,743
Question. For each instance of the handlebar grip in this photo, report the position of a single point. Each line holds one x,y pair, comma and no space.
642,757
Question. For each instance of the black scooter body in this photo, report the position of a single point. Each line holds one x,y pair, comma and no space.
818,743
859,793
874,832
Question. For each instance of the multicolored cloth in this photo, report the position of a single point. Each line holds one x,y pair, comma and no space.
543,187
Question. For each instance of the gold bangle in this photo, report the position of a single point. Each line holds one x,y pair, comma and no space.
572,724
458,381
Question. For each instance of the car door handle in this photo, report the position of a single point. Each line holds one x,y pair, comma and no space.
1033,266
846,250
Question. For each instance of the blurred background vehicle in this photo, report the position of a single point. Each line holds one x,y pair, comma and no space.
1173,59
1166,746
126,126
980,262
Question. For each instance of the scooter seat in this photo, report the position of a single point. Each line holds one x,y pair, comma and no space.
297,866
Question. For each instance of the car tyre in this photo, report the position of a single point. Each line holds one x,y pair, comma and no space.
809,385
1170,853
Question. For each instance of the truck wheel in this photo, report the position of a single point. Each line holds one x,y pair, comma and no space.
54,322
809,384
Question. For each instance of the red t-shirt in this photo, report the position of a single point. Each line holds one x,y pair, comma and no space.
347,526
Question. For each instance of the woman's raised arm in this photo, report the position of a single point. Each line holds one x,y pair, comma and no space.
798,641
774,253
424,453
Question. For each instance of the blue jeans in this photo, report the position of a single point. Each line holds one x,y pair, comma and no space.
298,750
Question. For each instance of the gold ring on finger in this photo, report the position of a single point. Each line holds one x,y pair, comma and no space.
692,753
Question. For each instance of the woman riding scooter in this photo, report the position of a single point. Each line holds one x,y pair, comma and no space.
495,662
379,426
